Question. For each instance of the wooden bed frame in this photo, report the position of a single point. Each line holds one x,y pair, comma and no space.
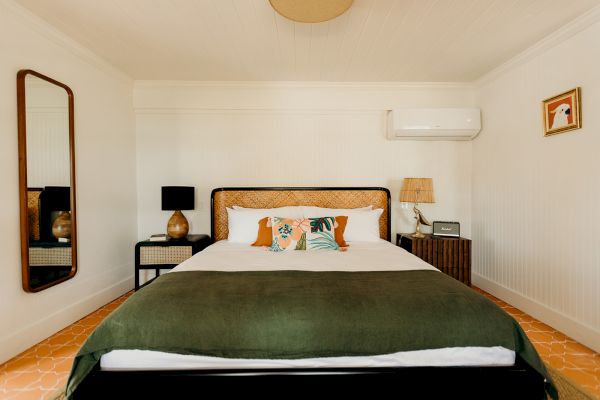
515,382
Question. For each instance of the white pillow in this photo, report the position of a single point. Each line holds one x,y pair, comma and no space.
316,212
243,223
363,226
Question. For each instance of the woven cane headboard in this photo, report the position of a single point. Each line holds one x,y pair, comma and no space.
33,212
269,197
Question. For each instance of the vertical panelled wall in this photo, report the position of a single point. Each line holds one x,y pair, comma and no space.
536,199
47,121
47,148
284,134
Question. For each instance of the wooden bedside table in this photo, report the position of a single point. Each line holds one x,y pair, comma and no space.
166,254
452,256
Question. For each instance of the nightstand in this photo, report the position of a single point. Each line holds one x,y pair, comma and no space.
166,254
452,256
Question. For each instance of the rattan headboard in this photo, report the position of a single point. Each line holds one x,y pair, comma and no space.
271,197
33,212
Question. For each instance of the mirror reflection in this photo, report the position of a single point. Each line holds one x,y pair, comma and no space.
50,222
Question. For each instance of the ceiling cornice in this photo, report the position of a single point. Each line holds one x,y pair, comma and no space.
567,31
305,84
51,33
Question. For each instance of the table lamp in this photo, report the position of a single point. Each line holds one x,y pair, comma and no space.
417,190
177,198
58,199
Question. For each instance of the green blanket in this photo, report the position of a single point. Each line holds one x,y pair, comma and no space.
298,314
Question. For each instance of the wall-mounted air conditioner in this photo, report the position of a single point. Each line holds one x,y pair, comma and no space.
434,123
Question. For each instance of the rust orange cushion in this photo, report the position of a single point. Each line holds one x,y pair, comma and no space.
342,220
265,233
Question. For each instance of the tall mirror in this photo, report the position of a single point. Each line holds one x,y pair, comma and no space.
46,181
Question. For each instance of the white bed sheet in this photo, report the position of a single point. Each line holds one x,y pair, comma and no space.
145,360
371,256
360,256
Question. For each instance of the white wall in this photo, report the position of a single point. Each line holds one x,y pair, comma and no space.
106,192
536,200
210,135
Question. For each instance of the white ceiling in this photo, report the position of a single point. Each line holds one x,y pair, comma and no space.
246,40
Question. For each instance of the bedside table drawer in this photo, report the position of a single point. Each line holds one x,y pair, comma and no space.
156,255
56,256
166,254
452,256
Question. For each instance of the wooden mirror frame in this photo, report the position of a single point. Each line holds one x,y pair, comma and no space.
22,128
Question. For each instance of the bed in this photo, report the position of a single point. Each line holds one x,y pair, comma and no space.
366,321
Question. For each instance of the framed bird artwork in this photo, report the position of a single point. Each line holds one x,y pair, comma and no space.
562,112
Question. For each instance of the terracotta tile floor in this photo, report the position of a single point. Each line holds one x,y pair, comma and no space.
572,359
42,371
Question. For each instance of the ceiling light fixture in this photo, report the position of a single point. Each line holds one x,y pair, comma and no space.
311,11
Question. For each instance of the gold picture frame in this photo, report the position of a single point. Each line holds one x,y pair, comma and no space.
562,112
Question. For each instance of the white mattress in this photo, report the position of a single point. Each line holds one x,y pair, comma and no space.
372,256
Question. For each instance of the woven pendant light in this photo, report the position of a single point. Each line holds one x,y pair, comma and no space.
311,10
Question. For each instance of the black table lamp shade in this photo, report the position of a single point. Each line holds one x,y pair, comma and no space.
56,198
177,198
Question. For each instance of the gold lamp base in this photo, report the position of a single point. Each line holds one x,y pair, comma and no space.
418,235
420,220
61,227
177,227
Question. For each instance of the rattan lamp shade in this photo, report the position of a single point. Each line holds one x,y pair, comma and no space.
417,190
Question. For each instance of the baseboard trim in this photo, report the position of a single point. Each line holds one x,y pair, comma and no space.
24,338
584,334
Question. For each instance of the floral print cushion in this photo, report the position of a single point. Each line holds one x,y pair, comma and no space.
303,234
